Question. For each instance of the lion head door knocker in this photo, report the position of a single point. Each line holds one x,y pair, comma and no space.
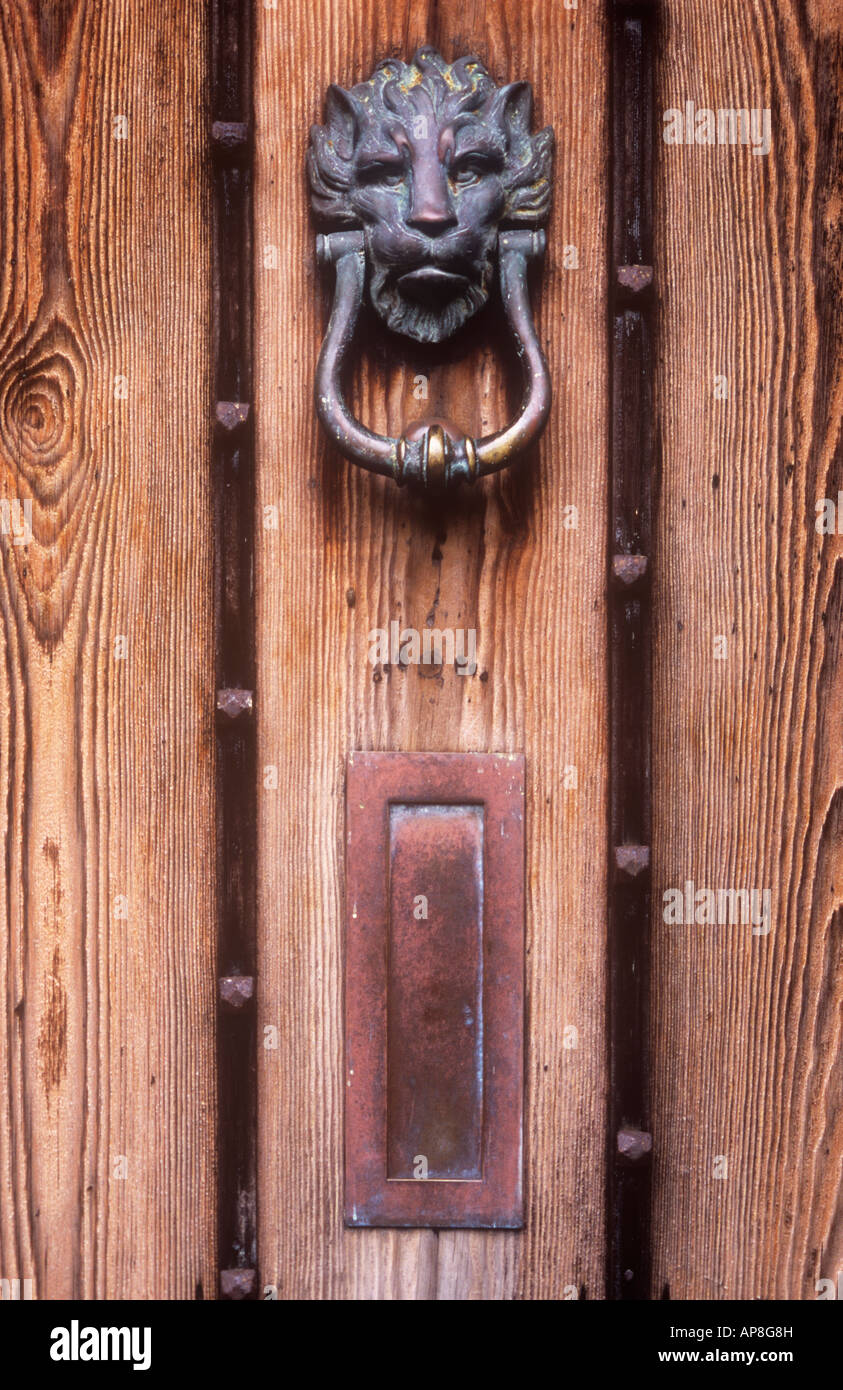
433,174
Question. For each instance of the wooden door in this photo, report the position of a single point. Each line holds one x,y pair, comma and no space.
354,553
115,1158
746,1029
106,728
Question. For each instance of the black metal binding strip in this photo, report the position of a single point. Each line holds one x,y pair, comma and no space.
632,470
234,500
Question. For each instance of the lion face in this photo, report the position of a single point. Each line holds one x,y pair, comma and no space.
430,159
430,200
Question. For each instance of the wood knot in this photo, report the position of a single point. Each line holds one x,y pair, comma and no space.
39,409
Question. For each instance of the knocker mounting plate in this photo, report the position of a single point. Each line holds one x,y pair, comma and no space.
435,183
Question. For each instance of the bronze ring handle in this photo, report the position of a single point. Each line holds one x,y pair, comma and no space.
431,456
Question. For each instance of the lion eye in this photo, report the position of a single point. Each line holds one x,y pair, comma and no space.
469,171
389,174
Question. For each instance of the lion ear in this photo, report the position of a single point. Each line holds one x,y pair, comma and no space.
344,118
515,108
529,159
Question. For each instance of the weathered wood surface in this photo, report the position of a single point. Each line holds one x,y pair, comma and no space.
352,553
106,1019
747,1030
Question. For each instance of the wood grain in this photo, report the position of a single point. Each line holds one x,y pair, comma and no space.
106,1016
352,553
747,1030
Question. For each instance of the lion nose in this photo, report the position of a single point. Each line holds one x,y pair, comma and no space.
431,211
432,222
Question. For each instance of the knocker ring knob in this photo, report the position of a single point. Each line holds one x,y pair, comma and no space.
422,164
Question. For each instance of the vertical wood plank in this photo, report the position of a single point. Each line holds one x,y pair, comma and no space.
747,1029
106,812
353,553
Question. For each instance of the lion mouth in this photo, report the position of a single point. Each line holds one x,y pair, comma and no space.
432,282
